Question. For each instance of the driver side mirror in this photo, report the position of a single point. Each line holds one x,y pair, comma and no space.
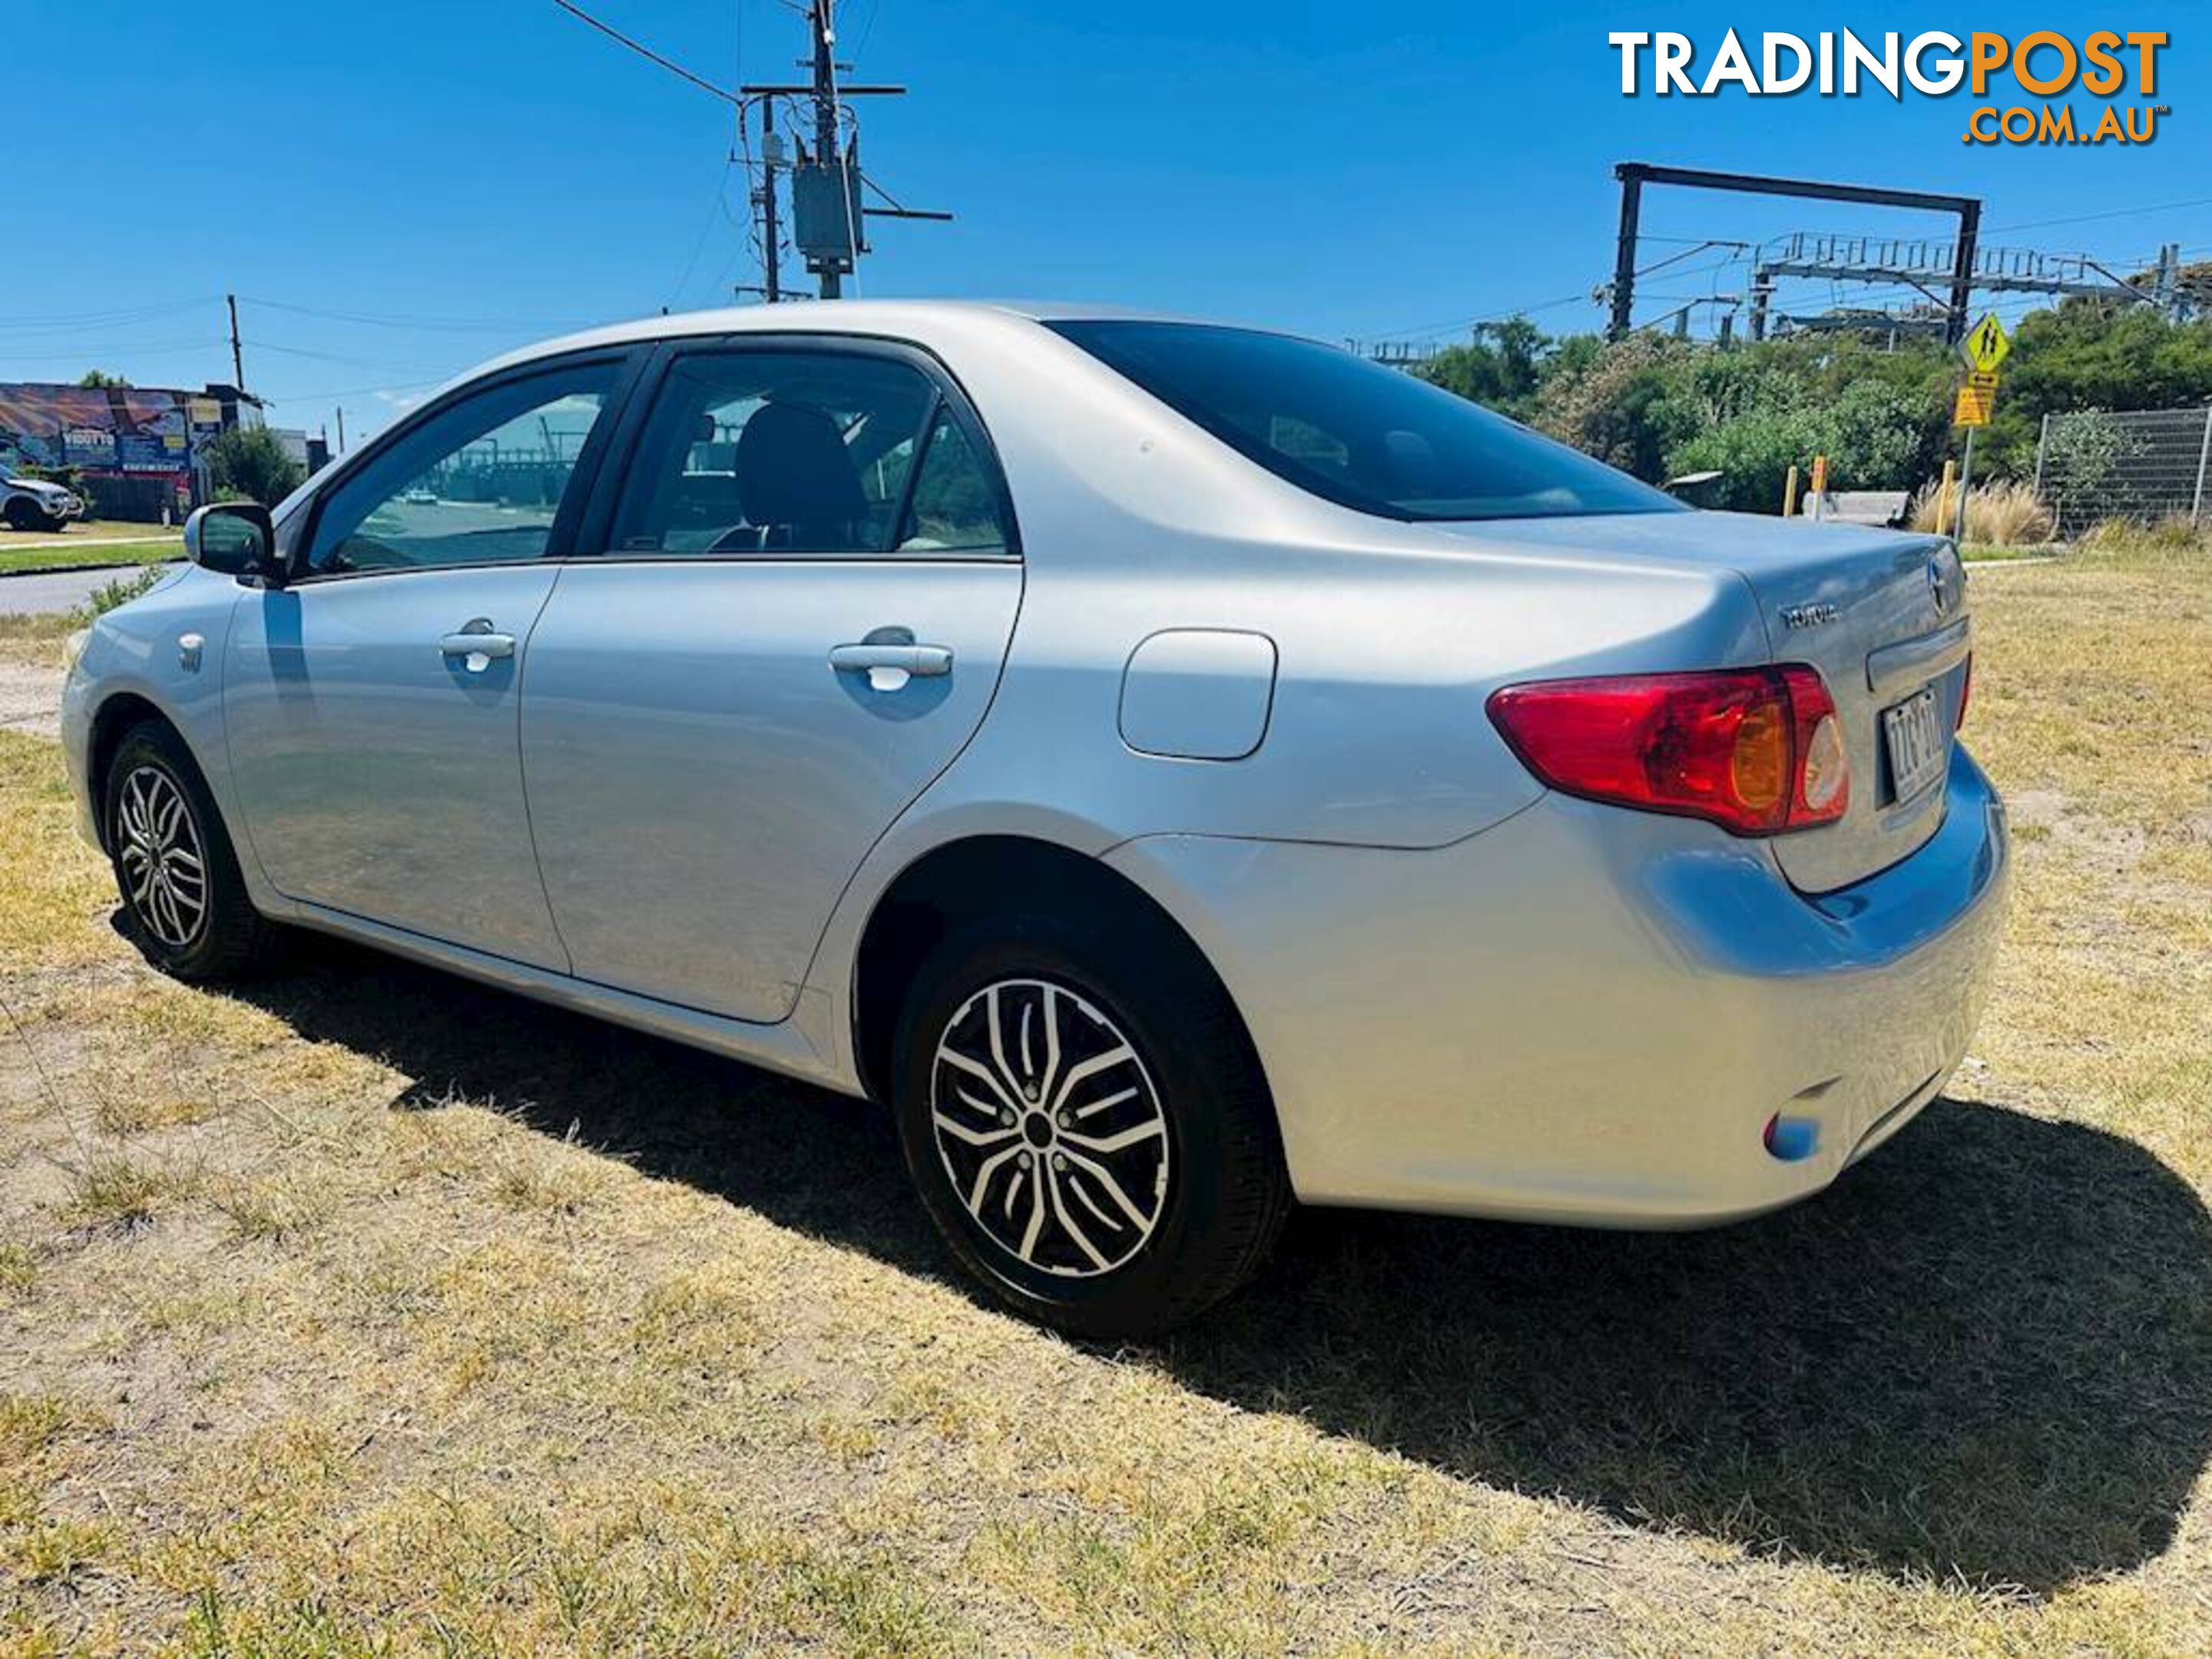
234,538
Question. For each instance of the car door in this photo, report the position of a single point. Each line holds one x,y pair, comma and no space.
808,579
371,701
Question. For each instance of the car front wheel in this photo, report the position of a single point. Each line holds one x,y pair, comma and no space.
174,866
1088,1126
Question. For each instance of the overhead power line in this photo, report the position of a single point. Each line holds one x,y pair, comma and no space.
425,324
2115,213
648,53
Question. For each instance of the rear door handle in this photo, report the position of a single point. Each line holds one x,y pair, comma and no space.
923,661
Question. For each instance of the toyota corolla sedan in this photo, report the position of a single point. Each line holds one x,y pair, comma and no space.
1182,770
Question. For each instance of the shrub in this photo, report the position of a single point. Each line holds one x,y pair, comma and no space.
123,589
2170,537
2003,515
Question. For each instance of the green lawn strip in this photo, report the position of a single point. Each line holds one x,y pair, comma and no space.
60,553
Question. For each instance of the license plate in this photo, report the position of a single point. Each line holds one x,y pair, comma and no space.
1918,745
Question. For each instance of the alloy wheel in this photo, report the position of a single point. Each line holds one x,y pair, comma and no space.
159,851
1049,1128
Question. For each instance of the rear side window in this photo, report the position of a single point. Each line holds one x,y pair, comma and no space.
955,507
777,452
1356,433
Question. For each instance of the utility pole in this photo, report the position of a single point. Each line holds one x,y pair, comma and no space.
828,219
826,212
341,432
237,352
771,254
822,19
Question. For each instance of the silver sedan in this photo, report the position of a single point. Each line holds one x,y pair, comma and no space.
1182,770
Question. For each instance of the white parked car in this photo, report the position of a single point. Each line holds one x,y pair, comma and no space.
1180,769
35,504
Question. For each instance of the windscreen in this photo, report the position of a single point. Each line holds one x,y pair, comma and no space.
1356,433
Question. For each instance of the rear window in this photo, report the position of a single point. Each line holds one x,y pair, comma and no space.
1356,433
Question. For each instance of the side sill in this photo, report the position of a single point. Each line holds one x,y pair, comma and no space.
785,1049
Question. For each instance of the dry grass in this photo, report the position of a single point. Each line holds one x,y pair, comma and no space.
366,1311
2003,515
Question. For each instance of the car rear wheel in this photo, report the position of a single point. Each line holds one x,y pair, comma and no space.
174,864
1088,1126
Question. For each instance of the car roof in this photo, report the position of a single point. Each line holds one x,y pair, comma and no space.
895,318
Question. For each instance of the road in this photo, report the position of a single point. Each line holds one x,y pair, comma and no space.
44,593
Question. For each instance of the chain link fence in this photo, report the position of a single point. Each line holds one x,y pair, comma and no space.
2144,464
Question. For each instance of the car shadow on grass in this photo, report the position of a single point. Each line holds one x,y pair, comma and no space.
1986,1353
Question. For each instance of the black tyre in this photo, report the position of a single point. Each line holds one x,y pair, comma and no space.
1087,1124
22,515
174,864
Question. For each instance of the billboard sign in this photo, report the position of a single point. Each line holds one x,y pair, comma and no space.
99,428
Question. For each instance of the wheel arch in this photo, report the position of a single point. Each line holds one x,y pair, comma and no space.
118,715
978,878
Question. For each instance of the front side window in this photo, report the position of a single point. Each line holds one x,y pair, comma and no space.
776,452
1356,433
479,482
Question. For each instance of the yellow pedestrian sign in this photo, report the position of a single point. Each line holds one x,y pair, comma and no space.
1976,401
1986,344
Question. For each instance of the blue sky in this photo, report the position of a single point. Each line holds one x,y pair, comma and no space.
487,172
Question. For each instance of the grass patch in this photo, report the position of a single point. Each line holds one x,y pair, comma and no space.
470,1326
19,1271
110,1188
99,541
58,554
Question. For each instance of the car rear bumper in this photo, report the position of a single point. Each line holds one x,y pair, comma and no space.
1587,1015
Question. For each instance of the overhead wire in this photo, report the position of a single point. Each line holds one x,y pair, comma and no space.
648,53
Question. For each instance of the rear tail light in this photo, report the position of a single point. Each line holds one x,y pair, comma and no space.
1756,750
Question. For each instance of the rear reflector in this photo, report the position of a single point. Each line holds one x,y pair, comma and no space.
1756,750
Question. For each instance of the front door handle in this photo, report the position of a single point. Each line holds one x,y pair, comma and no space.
476,645
922,661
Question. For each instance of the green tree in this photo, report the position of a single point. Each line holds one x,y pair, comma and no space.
2085,354
1880,410
247,461
1501,368
1612,401
99,380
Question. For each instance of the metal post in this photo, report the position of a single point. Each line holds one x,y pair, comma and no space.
1962,273
2204,454
1624,256
770,255
2043,443
1790,493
